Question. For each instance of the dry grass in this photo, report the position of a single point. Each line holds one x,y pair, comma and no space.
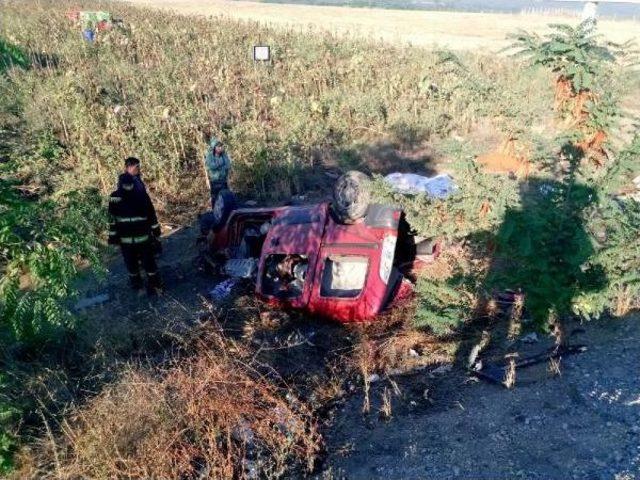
386,408
554,367
625,302
505,159
391,346
210,416
509,380
455,30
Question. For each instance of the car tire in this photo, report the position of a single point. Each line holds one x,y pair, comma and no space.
351,196
224,205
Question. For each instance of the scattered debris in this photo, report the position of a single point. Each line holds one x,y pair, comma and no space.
373,378
442,369
222,290
530,338
273,319
241,267
441,186
497,373
475,351
92,301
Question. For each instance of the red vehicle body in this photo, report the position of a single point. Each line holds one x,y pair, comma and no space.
304,258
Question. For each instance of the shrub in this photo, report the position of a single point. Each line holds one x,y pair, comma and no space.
7,421
576,55
41,243
11,56
443,305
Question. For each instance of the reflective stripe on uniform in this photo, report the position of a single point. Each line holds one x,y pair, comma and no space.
114,199
140,239
156,225
111,234
130,219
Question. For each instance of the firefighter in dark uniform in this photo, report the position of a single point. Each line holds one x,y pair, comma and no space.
134,226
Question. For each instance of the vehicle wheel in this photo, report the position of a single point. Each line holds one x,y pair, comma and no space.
225,203
351,196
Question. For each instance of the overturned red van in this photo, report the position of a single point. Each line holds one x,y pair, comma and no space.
347,264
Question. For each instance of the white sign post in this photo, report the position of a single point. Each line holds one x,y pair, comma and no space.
261,53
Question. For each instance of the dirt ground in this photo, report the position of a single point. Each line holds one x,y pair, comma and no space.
583,424
455,30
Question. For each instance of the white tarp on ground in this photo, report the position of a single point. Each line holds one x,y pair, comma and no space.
441,186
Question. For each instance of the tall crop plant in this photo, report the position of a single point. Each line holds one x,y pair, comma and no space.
158,86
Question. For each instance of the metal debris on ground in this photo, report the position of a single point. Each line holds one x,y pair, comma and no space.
496,373
441,369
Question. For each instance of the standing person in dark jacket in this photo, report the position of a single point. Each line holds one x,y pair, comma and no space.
134,226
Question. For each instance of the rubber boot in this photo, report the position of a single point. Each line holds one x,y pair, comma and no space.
154,284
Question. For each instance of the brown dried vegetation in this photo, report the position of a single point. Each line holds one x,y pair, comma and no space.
212,415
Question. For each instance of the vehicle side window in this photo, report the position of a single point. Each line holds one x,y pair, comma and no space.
343,276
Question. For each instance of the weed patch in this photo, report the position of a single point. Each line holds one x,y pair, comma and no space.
209,415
